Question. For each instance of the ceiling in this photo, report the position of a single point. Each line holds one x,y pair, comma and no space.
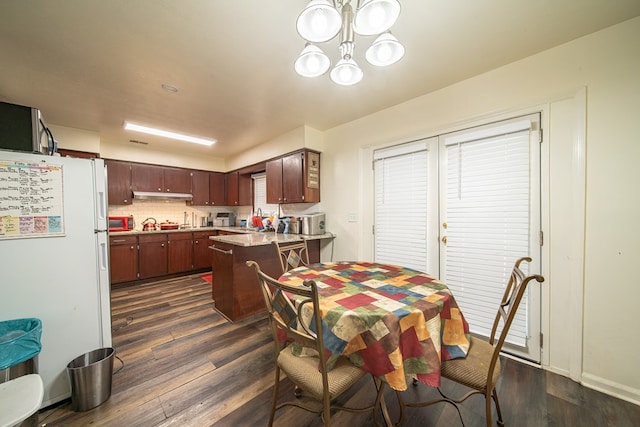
92,64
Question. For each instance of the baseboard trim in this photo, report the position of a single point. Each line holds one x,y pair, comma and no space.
611,388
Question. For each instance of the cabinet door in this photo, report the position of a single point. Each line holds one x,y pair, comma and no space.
123,258
274,181
292,178
147,177
180,258
177,180
232,189
119,182
201,252
200,188
152,256
217,185
245,190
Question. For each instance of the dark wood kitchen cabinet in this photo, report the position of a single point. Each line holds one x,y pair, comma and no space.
180,252
119,182
217,189
294,178
239,190
201,251
208,188
200,188
147,177
232,189
177,180
123,257
160,178
245,190
152,255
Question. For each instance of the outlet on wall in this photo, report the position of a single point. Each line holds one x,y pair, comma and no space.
352,217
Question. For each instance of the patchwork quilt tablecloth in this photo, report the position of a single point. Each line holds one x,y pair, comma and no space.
391,321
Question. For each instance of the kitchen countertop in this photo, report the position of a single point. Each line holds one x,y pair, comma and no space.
266,238
184,230
247,236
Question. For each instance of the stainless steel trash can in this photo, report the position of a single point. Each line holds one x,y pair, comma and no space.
90,375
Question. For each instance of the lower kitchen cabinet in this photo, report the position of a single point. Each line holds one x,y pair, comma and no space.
152,255
123,255
201,251
180,257
146,256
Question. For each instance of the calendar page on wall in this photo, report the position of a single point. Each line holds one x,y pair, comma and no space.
31,200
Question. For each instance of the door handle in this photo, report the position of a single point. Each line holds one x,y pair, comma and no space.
444,239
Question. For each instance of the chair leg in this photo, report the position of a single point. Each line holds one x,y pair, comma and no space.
274,399
487,405
494,394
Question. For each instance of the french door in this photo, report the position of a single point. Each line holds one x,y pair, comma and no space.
479,214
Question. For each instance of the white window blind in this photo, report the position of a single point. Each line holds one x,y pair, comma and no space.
487,215
400,219
260,195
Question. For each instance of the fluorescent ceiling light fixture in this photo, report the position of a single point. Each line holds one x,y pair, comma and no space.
167,134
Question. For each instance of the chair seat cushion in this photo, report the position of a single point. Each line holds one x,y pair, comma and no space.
473,370
304,372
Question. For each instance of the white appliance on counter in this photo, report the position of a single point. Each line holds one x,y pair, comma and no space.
59,274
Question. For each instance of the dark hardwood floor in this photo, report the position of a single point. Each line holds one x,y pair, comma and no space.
185,365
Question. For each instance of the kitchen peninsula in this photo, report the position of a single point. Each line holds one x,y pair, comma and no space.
236,291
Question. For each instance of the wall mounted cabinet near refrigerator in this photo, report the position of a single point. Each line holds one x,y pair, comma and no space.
294,178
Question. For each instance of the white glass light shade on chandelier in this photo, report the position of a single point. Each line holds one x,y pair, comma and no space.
321,20
346,72
386,50
376,16
312,62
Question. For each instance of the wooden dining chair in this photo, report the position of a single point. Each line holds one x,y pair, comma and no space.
295,311
292,254
480,370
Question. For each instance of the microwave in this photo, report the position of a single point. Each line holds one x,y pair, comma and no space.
121,223
23,129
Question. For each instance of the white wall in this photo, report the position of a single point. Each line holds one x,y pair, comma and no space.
607,63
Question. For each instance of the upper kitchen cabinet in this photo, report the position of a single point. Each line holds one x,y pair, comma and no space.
177,180
119,182
160,179
200,188
217,189
147,177
294,178
238,189
208,188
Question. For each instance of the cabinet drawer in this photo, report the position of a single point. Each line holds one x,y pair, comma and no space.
202,234
151,238
172,237
123,240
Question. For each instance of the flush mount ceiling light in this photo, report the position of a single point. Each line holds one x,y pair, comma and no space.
322,20
167,134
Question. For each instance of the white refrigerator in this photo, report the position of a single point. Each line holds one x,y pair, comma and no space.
54,255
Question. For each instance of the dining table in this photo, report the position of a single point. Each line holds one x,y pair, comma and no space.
395,322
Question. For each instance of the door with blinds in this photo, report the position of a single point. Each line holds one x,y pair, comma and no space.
406,205
490,217
463,207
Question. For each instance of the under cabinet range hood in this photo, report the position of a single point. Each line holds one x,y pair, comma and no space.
152,195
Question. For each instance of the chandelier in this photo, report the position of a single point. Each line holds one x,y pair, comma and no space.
322,20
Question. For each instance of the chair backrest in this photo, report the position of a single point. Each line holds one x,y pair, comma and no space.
516,287
292,254
293,310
